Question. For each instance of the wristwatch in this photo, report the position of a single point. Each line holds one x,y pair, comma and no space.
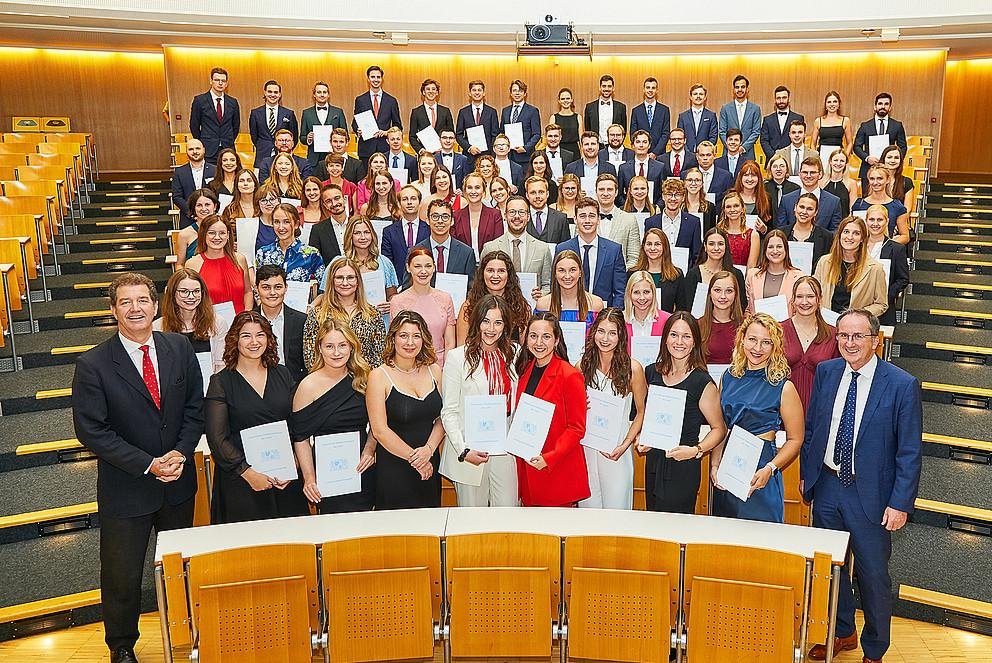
699,452
772,465
461,456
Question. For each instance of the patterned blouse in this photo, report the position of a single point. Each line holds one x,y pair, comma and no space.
302,262
371,336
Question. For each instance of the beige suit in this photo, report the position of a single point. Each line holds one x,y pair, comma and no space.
754,286
537,259
870,291
623,231
493,483
786,152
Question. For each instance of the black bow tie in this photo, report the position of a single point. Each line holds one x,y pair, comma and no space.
606,216
604,103
321,107
783,112
447,156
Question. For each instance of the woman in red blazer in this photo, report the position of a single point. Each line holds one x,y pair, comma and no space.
556,477
487,222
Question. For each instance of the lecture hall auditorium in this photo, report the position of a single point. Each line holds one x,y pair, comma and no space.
112,113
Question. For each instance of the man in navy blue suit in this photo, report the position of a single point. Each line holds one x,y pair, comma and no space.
603,268
591,165
476,114
509,170
284,143
743,114
189,177
828,213
716,180
775,126
450,255
698,122
879,125
455,162
215,117
265,120
403,234
679,158
643,165
384,107
398,161
528,116
653,117
733,157
860,466
680,227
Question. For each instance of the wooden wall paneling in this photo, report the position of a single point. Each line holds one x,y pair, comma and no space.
116,96
967,89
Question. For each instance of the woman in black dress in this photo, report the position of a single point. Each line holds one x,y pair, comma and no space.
253,389
330,400
568,120
671,478
404,406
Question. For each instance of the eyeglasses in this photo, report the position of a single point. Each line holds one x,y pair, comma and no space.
857,338
345,278
517,212
673,194
186,294
440,217
269,201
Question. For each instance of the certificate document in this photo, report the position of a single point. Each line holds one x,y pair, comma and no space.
295,202
528,281
664,412
825,152
401,175
322,140
777,307
606,421
429,139
750,221
246,233
374,284
206,362
529,428
716,372
225,200
455,285
876,144
225,310
829,316
298,295
739,462
680,258
267,450
485,423
336,458
574,335
801,254
515,134
699,300
645,349
365,121
477,138
305,229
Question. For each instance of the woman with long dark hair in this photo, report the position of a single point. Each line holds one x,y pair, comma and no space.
495,275
721,318
808,338
849,276
186,309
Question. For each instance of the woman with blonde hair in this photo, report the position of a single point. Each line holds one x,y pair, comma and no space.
640,306
837,181
774,274
569,189
329,401
757,396
286,176
745,243
568,300
849,276
879,179
880,247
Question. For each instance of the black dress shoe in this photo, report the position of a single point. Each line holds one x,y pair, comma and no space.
123,655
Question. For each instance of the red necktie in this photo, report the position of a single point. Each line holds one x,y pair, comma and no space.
440,258
677,168
478,117
433,115
375,104
148,374
642,170
220,111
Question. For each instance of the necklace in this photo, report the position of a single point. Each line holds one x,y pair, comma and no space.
408,371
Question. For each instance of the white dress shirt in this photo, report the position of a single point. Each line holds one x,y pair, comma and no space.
322,113
339,228
865,376
278,324
671,226
707,178
427,109
138,357
697,115
223,106
197,174
554,159
639,328
605,117
649,110
447,252
523,240
606,225
477,109
593,254
783,116
740,112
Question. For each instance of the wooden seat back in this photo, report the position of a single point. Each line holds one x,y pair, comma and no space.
506,549
19,148
10,251
13,160
13,225
16,137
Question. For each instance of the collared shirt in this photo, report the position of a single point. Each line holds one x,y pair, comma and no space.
523,238
649,110
707,178
741,106
605,117
477,110
783,117
448,160
223,102
137,357
639,328
302,262
815,192
615,155
732,162
865,377
279,331
554,159
606,225
197,174
339,229
447,251
322,113
671,226
373,95
428,107
697,115
593,255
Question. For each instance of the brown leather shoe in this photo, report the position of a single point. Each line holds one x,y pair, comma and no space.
865,659
819,652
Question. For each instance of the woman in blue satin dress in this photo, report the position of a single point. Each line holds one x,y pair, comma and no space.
756,395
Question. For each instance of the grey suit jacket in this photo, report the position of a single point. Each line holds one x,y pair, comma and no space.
537,258
624,232
786,152
555,228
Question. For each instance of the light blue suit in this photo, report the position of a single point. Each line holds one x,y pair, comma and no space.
751,129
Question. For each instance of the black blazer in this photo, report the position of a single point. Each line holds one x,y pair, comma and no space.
895,132
419,121
389,116
261,137
567,156
203,123
114,417
554,229
772,190
292,335
687,162
590,116
353,170
308,119
323,238
822,239
183,185
771,137
466,119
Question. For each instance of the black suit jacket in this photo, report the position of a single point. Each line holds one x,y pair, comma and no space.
353,170
292,336
203,123
566,157
419,120
772,190
590,116
771,137
308,119
466,119
555,228
261,137
183,185
323,238
389,116
667,160
114,417
660,127
893,128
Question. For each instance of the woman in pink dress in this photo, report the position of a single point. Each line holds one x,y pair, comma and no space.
434,305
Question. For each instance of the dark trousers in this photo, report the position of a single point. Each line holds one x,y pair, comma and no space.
839,508
123,544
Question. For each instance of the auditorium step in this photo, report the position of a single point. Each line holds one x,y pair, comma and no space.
130,224
953,210
970,346
956,243
32,428
951,311
86,311
47,348
129,196
937,224
941,261
117,241
119,261
71,286
37,389
112,209
943,284
952,384
44,501
149,184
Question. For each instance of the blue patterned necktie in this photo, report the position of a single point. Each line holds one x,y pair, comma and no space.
650,110
585,264
844,444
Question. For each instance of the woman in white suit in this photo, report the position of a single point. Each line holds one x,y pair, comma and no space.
483,366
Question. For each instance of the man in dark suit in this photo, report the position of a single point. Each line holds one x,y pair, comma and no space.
643,165
519,111
429,114
828,212
287,323
600,113
860,466
733,157
215,117
743,114
509,170
546,224
353,170
137,403
653,117
402,235
557,157
796,151
615,152
603,267
398,161
880,125
324,235
477,114
716,181
450,255
320,114
189,177
779,168
774,133
680,227
384,107
591,165
285,142
698,122
267,119
678,160
455,162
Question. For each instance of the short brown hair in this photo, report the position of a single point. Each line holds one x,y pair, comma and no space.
131,278
270,357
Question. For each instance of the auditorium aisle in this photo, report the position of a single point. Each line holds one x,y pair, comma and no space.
940,562
49,543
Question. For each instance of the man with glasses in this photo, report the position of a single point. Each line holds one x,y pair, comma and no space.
450,255
828,211
285,142
604,272
860,466
527,253
680,227
679,159
287,323
215,117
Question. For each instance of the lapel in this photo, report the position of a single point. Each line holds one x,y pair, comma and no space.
878,385
127,371
548,380
600,262
829,390
166,367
